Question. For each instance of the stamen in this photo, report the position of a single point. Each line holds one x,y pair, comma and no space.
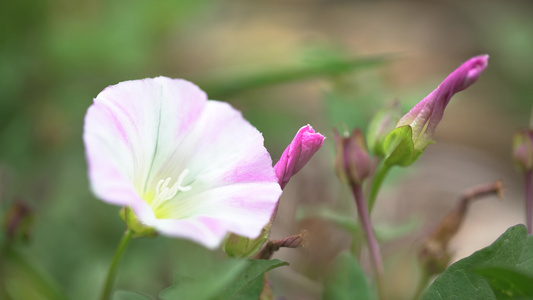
164,193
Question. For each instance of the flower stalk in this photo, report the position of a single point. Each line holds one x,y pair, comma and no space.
377,181
373,246
111,273
352,166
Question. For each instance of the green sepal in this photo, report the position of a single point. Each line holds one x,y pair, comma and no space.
399,147
132,222
242,247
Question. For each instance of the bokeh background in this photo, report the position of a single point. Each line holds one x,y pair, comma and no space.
284,64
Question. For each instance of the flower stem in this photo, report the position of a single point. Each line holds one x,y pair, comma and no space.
377,181
373,246
124,242
529,202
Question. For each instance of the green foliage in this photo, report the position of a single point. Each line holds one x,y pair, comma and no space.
22,278
223,88
346,281
127,295
478,276
508,283
224,280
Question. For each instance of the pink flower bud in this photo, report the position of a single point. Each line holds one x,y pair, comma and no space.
352,163
298,153
426,115
523,149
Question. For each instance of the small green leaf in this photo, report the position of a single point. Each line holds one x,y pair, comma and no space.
399,147
508,283
512,251
346,281
127,295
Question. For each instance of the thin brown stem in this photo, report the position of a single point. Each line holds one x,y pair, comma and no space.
293,241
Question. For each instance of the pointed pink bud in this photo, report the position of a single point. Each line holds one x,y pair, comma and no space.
426,115
298,153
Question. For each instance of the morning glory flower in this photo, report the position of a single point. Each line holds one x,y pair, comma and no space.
426,115
187,167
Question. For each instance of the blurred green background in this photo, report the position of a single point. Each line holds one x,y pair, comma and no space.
284,64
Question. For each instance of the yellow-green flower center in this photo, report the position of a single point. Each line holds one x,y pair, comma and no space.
164,192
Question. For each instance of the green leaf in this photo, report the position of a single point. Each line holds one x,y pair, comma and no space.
207,284
508,283
249,282
226,280
221,88
512,251
346,281
399,147
127,295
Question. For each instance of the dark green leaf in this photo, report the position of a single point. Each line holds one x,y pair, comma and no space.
508,283
462,280
346,281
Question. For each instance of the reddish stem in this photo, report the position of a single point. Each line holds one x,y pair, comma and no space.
373,245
